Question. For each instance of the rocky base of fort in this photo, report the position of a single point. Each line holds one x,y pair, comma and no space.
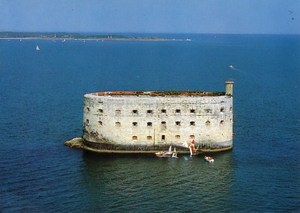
75,143
80,143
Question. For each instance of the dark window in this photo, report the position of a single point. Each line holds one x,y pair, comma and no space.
177,111
149,124
118,124
222,109
163,125
100,122
149,111
177,137
163,111
100,110
222,122
134,137
192,123
192,111
163,137
207,123
134,123
178,123
134,111
149,138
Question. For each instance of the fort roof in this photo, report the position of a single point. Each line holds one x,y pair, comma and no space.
158,93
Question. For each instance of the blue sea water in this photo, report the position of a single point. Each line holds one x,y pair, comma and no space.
41,102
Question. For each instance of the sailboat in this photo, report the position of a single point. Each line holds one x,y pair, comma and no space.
167,154
193,150
37,48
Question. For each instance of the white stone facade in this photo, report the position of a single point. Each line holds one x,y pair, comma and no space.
150,119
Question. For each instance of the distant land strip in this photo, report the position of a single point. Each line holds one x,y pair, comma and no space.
65,37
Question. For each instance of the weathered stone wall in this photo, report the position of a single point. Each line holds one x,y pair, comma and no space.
133,120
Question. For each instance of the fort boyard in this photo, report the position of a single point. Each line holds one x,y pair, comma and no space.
149,121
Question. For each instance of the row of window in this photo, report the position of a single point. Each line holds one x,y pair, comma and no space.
163,123
163,111
163,137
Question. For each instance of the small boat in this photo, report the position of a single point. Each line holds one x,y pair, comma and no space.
37,48
209,159
174,155
167,154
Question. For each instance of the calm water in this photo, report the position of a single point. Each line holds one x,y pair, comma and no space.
41,95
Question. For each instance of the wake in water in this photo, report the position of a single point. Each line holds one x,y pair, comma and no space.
233,67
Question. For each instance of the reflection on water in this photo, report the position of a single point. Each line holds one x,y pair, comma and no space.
145,182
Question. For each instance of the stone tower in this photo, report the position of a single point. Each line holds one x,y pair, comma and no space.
229,88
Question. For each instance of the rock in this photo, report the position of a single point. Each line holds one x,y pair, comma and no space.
75,143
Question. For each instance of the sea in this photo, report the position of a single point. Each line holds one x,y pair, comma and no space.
41,103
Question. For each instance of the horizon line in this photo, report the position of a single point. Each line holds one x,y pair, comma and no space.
176,33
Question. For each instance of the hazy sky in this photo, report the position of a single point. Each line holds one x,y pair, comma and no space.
152,16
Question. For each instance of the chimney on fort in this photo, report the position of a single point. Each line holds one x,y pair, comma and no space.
229,87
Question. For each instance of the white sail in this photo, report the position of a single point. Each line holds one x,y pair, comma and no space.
37,48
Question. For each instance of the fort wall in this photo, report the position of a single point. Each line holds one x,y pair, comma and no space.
131,120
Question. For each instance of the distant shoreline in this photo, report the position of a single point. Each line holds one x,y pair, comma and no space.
93,39
61,36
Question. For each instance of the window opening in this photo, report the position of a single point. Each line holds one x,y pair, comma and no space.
208,110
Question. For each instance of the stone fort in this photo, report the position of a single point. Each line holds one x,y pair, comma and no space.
147,121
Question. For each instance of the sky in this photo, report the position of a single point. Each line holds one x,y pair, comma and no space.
151,16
